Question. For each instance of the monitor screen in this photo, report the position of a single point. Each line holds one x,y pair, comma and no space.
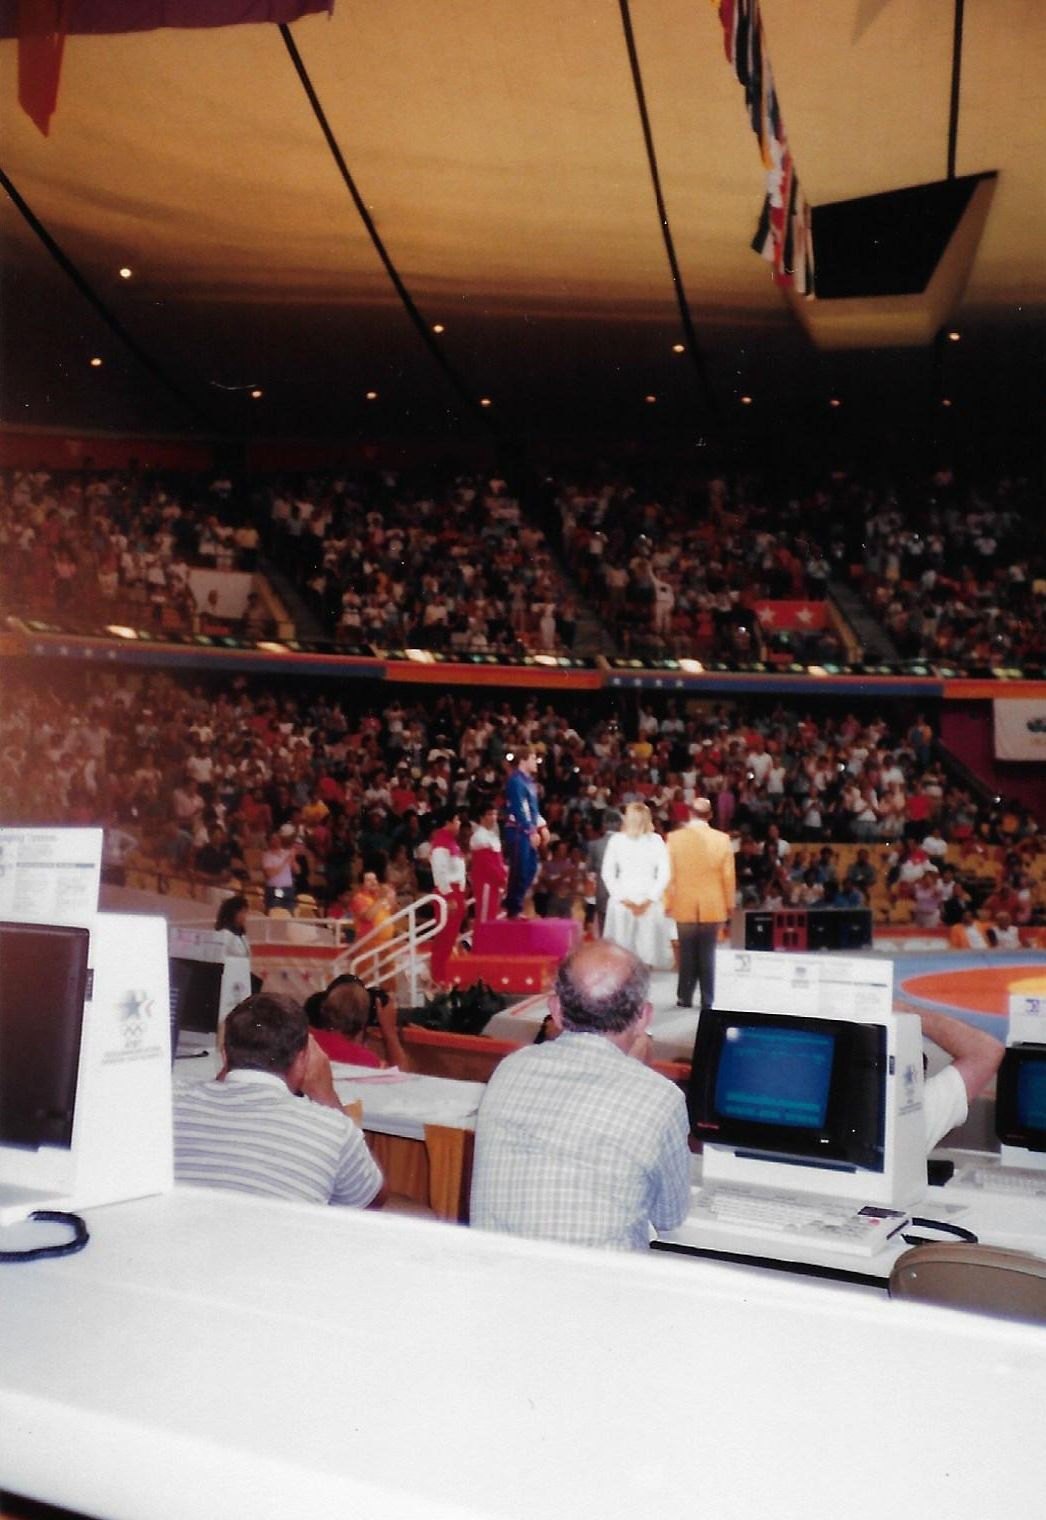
802,1089
775,1076
1020,1098
196,990
43,983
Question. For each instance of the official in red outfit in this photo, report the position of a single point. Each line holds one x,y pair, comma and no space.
448,878
488,873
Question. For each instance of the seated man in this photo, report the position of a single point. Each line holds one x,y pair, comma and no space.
947,1095
251,1130
577,1139
340,1016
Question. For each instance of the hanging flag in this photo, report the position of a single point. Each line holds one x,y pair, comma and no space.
728,17
42,26
41,38
763,242
784,234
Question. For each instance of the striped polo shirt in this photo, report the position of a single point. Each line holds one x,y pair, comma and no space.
251,1134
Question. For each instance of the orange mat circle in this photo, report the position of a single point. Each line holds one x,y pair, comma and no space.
979,989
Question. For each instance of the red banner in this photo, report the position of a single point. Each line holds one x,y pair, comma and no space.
791,617
41,38
43,25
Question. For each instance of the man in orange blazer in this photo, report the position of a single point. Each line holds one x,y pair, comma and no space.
700,897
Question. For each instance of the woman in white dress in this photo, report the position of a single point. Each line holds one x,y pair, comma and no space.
635,873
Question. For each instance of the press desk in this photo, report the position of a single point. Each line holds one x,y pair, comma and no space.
210,1353
421,1131
996,1219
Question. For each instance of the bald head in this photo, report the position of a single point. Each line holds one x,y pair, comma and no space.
601,988
701,809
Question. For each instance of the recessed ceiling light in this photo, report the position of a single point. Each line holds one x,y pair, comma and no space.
256,394
484,401
679,348
437,327
96,363
746,401
954,336
125,273
835,401
650,400
372,396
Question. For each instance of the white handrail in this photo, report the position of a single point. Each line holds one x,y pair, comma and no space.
376,961
376,957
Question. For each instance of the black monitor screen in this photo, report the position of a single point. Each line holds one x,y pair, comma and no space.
196,990
791,1088
43,982
1020,1101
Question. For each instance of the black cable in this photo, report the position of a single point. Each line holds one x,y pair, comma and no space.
693,348
111,321
953,106
368,221
76,1242
945,1227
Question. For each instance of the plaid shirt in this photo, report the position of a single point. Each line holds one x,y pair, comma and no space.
578,1142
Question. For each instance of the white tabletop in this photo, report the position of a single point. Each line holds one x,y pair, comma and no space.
214,1354
402,1103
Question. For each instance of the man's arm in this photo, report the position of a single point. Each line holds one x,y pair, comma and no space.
386,1013
318,1082
976,1055
729,878
515,800
671,1201
359,1173
669,895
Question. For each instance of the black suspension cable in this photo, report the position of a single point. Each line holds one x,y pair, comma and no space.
692,345
953,107
368,221
110,319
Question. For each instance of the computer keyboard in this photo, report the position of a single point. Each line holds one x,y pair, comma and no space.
825,1223
1015,1180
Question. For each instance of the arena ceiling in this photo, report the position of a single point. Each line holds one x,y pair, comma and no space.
499,150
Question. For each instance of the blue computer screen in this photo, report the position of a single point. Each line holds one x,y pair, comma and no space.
1031,1095
775,1076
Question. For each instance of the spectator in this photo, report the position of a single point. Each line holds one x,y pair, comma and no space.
250,1131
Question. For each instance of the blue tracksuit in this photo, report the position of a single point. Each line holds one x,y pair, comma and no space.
521,802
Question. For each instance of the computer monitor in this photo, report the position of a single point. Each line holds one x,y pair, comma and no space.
1020,1098
812,1104
43,984
196,991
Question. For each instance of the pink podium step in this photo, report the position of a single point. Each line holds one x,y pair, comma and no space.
526,936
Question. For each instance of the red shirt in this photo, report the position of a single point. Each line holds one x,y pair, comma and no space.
338,1047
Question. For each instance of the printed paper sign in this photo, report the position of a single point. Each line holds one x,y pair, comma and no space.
50,876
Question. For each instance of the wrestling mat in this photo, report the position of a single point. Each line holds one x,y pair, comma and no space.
972,985
968,984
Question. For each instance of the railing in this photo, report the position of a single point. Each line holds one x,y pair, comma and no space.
378,957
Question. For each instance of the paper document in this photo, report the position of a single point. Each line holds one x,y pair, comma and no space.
50,876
